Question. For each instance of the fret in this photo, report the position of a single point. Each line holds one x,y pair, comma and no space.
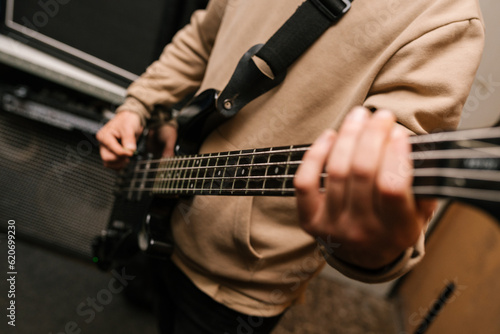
161,176
250,171
196,185
260,162
287,168
185,179
224,181
204,164
151,180
149,177
178,176
278,167
214,171
168,174
209,173
241,171
143,180
232,162
220,172
130,192
235,173
182,175
266,180
229,174
158,178
171,177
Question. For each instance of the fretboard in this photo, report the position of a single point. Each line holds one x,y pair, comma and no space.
463,164
268,171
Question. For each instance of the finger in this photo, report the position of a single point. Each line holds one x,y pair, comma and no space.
395,198
111,160
107,155
366,160
427,207
339,161
307,178
128,140
109,139
117,165
396,173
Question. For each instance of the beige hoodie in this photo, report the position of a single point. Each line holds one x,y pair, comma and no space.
416,58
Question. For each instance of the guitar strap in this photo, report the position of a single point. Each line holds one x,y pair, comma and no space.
293,38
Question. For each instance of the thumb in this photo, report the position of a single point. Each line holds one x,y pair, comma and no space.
128,140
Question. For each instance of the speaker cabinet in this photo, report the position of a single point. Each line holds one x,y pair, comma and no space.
52,184
115,40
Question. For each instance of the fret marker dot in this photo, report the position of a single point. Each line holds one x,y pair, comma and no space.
277,170
197,162
242,172
219,173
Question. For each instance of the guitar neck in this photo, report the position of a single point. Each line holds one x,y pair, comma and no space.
461,164
268,171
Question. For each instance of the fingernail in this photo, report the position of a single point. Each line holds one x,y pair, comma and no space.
130,149
397,132
399,139
357,114
383,114
325,136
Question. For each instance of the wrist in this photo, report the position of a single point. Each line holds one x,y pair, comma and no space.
369,263
132,106
373,258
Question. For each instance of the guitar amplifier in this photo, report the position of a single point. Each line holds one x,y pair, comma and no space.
52,184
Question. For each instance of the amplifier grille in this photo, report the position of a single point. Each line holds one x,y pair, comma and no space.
53,185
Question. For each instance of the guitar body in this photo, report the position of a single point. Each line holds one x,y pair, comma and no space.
135,226
462,252
139,221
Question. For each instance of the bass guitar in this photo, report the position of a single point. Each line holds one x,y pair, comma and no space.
461,165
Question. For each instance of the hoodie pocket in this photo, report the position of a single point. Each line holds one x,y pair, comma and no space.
242,231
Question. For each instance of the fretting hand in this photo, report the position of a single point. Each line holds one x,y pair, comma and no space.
367,206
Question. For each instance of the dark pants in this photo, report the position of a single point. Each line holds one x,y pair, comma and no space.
184,309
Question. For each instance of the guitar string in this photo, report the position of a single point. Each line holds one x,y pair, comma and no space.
465,193
419,155
416,156
474,153
453,173
430,173
462,136
180,169
461,193
456,154
229,154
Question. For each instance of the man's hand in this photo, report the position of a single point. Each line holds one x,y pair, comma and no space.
118,139
119,136
367,206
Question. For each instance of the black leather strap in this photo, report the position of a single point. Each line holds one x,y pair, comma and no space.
300,31
294,37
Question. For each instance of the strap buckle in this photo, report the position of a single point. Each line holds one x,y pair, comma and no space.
333,9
